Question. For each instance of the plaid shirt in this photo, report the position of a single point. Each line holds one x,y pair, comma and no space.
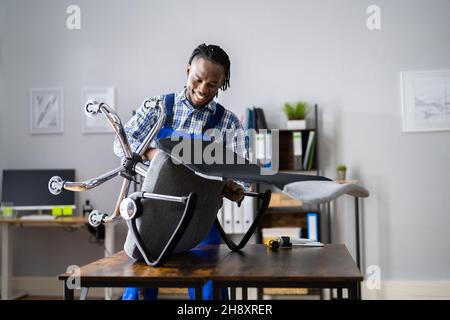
188,119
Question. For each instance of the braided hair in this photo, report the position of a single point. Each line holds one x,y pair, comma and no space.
217,55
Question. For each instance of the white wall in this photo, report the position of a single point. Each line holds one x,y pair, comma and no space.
2,83
320,51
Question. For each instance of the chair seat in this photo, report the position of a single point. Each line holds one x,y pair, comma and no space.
316,192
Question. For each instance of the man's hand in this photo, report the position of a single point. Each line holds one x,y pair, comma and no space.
149,154
233,191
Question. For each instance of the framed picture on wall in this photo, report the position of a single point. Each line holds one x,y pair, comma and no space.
425,100
97,124
46,111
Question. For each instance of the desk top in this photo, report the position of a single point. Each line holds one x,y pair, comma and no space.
256,262
59,221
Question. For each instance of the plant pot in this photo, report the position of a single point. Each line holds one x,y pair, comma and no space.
341,175
296,124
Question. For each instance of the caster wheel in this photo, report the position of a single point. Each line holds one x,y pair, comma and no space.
96,218
55,185
128,209
91,108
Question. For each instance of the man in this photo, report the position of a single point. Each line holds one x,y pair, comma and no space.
193,110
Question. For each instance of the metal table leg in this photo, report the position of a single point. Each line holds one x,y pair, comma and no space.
329,221
233,293
339,293
353,292
358,258
198,292
244,293
68,293
358,249
84,293
259,293
7,265
216,292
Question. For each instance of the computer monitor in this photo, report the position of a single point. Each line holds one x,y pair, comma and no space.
28,189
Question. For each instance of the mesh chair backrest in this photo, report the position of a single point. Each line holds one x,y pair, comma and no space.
159,218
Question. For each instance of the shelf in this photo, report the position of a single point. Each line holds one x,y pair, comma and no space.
281,209
285,291
292,130
286,150
283,219
308,172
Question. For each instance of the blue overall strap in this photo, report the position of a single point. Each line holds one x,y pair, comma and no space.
166,130
215,118
169,102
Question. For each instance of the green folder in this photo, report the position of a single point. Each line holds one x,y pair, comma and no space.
57,211
67,211
7,211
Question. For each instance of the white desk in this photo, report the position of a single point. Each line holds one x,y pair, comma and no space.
7,261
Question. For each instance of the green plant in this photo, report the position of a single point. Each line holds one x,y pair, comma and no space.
341,167
297,111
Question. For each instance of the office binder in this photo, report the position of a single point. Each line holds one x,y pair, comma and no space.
250,114
227,216
260,119
260,148
297,141
248,205
311,154
238,217
308,149
268,150
312,222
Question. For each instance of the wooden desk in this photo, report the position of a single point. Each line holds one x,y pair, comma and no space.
65,221
330,266
7,263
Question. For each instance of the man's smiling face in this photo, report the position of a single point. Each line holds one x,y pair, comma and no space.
204,78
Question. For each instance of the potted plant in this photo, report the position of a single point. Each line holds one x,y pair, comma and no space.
296,114
341,170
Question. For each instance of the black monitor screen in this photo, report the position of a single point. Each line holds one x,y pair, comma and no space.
29,188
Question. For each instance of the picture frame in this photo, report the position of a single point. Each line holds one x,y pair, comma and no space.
97,124
425,100
46,111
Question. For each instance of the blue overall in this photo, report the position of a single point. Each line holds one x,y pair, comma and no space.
213,236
